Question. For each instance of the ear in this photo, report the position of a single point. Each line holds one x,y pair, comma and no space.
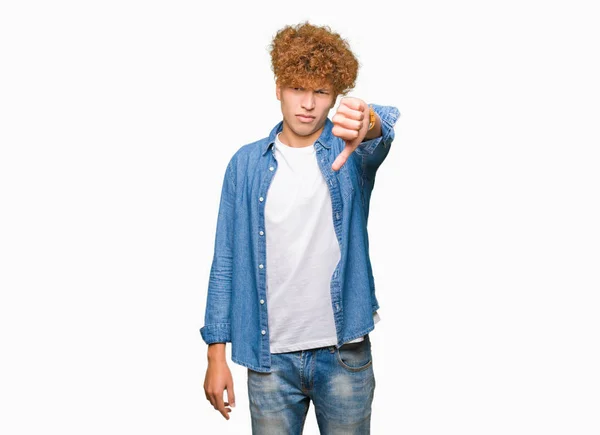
278,92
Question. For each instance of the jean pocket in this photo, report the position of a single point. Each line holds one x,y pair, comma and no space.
355,356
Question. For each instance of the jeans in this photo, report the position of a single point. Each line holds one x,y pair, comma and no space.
340,383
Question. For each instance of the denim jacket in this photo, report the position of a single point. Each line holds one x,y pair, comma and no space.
236,307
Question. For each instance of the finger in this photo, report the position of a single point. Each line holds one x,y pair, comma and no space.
225,412
344,133
212,398
341,159
353,103
226,407
351,113
346,122
230,394
220,406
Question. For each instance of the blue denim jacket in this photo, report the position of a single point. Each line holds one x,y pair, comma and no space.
236,307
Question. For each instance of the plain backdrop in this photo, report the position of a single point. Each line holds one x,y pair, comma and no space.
117,120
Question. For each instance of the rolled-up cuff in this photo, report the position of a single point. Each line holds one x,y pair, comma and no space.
388,116
216,333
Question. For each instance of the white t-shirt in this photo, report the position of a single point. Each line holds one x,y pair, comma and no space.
302,253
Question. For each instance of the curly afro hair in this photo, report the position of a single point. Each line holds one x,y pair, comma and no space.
310,56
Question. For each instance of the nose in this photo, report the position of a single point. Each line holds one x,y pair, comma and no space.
308,100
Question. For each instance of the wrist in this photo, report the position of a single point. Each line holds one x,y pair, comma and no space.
374,131
216,352
372,118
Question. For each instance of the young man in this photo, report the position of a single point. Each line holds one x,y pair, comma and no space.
291,285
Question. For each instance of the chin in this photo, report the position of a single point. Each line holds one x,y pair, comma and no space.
305,131
302,130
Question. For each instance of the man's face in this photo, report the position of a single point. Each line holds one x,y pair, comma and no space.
305,110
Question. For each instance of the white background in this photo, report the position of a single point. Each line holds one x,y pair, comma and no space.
117,120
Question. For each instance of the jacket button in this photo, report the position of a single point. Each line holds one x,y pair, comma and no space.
261,199
263,332
271,168
262,233
262,301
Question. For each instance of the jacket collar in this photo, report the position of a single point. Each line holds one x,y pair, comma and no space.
324,139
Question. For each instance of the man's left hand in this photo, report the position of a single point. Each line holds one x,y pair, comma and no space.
350,122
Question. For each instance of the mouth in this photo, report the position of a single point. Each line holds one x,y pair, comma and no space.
305,118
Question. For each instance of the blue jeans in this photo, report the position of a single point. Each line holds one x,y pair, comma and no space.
340,383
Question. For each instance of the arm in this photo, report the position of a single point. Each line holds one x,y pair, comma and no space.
376,144
372,152
370,146
217,327
351,123
375,132
218,379
217,330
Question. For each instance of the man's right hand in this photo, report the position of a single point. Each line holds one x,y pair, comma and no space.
218,378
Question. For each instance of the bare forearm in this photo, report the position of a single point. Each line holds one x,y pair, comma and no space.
216,352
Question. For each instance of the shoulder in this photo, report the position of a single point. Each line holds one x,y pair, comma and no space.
248,156
246,159
253,151
249,152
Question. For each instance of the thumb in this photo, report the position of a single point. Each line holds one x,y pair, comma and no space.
230,394
342,157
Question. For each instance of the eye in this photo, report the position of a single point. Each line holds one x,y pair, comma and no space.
322,91
298,89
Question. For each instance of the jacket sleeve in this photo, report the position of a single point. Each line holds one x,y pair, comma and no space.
217,325
373,152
